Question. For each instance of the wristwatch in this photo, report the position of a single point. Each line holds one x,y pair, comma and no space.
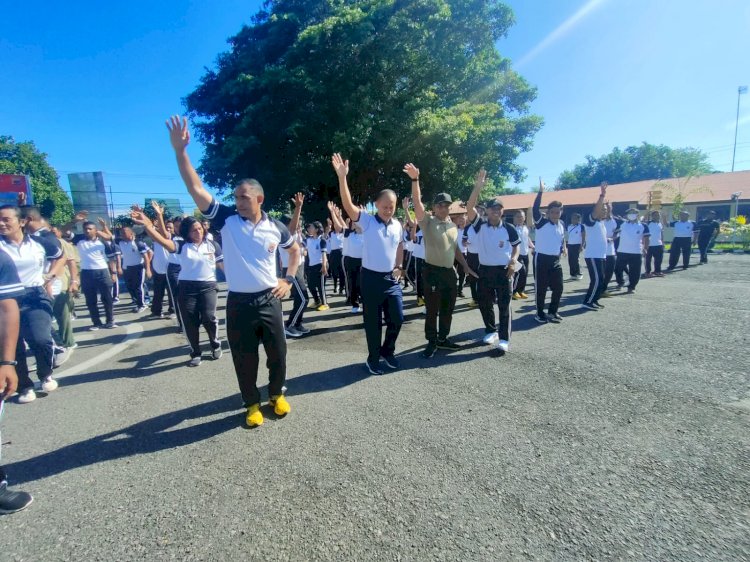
11,363
289,279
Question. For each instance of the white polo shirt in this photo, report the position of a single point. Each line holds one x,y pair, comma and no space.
30,257
631,237
495,243
656,230
549,237
10,285
334,242
611,225
284,255
249,249
198,261
470,235
596,239
418,248
575,234
380,242
173,260
683,229
160,260
315,245
353,242
95,254
132,252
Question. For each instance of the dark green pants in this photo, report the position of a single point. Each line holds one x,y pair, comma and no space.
62,308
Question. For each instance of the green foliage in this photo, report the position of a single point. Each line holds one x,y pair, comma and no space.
737,231
636,163
25,159
383,82
679,195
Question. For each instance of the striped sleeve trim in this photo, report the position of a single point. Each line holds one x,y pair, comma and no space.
11,291
213,209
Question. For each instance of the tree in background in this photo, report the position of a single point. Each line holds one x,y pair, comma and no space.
636,163
24,158
382,82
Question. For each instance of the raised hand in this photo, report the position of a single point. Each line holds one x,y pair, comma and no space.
139,217
21,198
340,165
603,188
179,134
412,171
102,223
541,185
136,207
298,199
405,202
481,178
158,209
81,216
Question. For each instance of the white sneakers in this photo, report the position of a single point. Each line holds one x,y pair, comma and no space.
356,310
490,338
195,361
49,384
503,346
27,396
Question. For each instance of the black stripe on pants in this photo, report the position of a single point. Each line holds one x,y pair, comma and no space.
36,330
254,318
495,284
352,266
680,245
596,279
548,274
472,260
316,282
198,306
440,290
574,263
520,276
160,287
95,283
337,270
655,253
300,298
609,270
134,282
418,276
631,262
383,301
173,275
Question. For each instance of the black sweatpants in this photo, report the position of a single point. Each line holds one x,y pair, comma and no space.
254,318
198,306
574,263
383,302
408,276
115,289
609,270
461,273
173,275
97,283
548,274
680,245
440,291
631,262
316,283
134,279
596,280
36,330
160,287
300,298
472,260
655,253
494,284
520,276
337,271
703,244
352,266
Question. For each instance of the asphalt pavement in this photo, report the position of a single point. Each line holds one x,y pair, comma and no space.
618,434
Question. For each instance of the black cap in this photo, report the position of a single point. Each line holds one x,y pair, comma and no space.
442,198
494,203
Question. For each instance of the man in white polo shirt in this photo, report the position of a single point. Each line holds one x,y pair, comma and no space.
382,267
595,253
684,234
136,264
250,239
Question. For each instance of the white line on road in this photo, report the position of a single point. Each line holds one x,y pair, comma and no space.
132,333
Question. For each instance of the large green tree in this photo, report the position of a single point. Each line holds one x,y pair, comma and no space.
24,158
636,163
384,82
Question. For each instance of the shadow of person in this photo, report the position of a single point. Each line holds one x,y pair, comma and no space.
149,436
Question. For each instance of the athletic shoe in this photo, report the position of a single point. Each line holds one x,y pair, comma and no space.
448,344
429,350
94,328
280,406
355,310
490,338
517,296
195,361
606,295
217,353
60,357
115,301
503,346
110,325
10,502
573,278
322,308
254,416
420,301
313,305
597,305
292,332
140,309
302,329
49,384
74,346
374,368
660,274
630,291
26,396
540,319
579,277
524,295
473,304
620,286
589,306
555,318
461,294
390,361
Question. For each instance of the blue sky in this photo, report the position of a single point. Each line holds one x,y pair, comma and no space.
91,83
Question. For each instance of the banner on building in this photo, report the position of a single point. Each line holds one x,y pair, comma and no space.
11,185
89,194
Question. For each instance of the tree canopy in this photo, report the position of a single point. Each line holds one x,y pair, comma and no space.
384,82
24,158
636,163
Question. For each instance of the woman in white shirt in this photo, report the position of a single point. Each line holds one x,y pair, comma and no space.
655,249
197,288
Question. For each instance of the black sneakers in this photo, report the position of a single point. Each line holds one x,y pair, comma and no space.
430,350
448,344
10,502
390,361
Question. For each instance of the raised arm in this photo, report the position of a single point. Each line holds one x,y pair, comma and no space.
179,136
341,167
159,224
298,200
536,209
338,223
104,232
140,218
416,193
10,321
479,181
598,211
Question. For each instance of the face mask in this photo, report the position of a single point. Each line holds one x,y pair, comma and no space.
632,216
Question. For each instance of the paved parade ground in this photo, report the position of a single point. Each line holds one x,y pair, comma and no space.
619,434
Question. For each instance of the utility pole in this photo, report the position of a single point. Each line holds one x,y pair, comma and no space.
741,90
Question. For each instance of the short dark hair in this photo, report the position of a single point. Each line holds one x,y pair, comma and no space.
14,208
253,184
555,205
30,212
386,192
89,223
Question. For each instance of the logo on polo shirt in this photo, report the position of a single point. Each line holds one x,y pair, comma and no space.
270,246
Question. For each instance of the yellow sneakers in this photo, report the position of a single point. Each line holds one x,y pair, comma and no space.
254,416
517,296
473,304
420,302
322,307
280,406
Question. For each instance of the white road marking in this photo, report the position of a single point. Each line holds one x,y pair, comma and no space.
132,333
